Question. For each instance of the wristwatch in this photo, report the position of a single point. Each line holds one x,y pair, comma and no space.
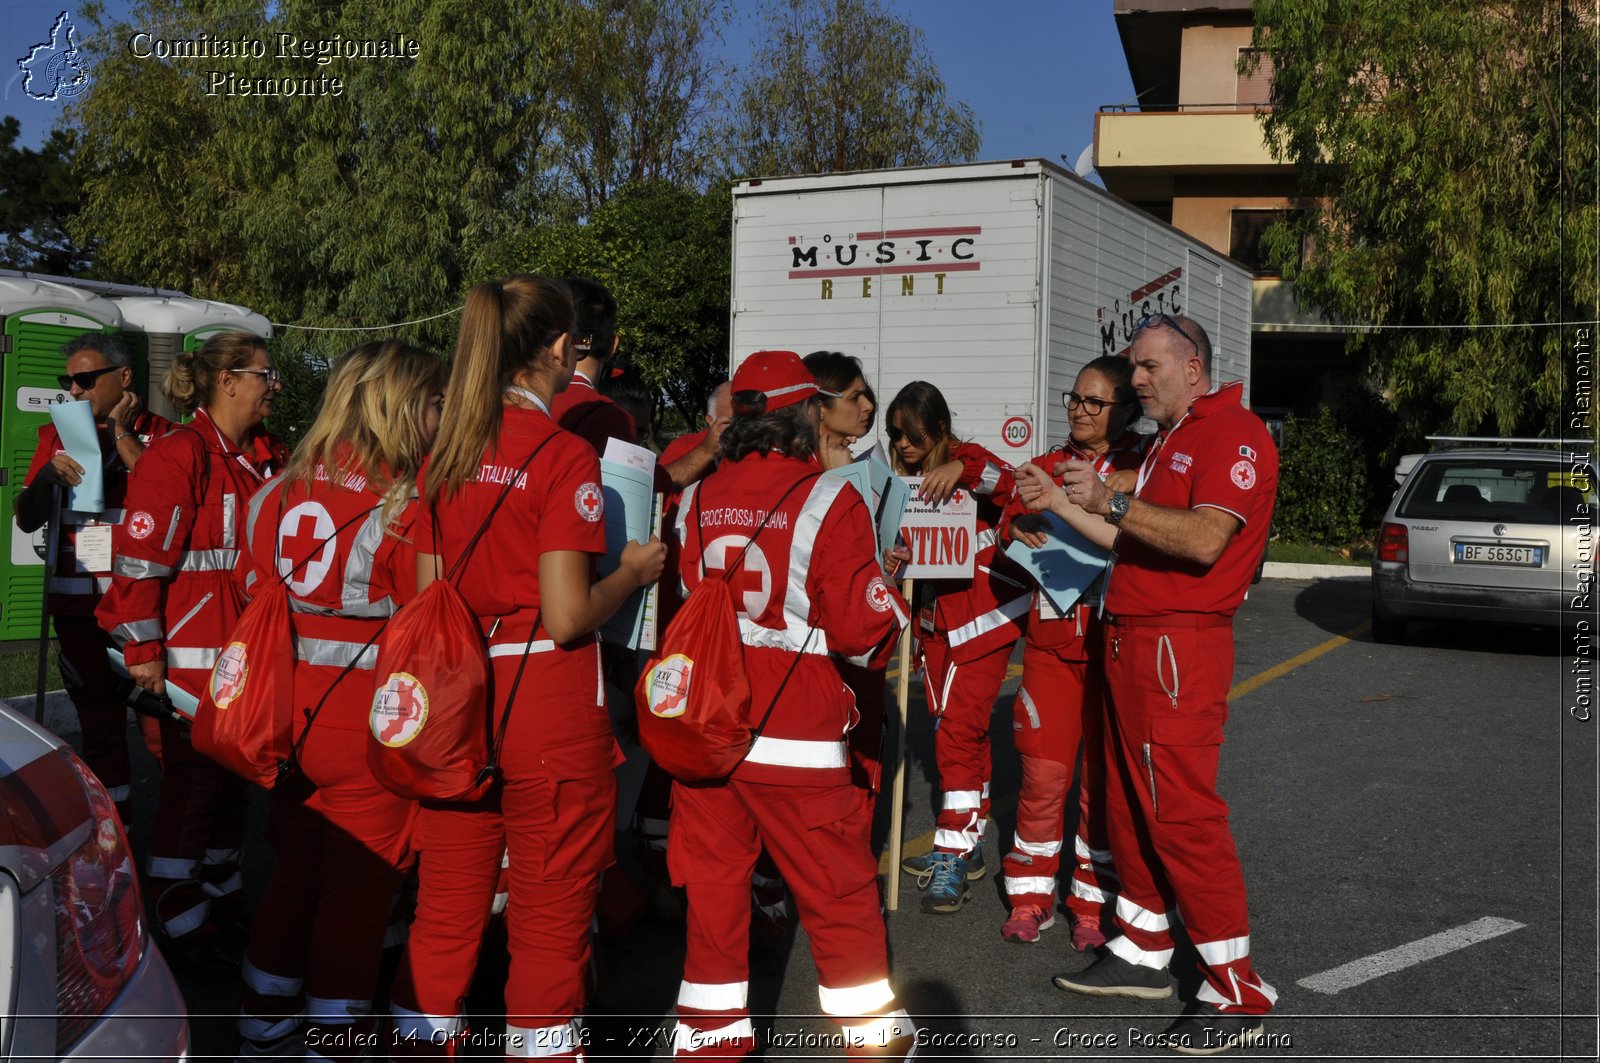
1119,506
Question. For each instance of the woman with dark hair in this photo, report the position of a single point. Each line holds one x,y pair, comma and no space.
171,601
967,629
1061,700
530,582
796,547
848,405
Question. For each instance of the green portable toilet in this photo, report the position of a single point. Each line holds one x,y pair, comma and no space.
36,318
170,324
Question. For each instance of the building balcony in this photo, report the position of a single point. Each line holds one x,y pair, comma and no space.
1138,153
1273,307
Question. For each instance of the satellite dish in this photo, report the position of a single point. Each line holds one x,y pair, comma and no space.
1085,164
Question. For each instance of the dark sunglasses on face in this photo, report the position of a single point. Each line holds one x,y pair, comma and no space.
1072,400
916,439
85,380
1163,321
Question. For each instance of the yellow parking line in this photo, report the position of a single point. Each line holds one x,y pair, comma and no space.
924,843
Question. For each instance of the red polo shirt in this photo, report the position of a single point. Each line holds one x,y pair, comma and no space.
584,412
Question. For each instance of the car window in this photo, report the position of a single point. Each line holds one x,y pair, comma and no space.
1524,491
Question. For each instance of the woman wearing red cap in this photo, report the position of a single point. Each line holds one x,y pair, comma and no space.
759,521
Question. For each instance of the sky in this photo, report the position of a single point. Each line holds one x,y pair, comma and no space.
1034,71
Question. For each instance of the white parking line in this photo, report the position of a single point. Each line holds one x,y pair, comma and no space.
1391,960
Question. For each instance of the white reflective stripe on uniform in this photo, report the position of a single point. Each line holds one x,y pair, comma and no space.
1208,995
234,883
1121,946
336,1012
230,511
691,1039
956,841
171,867
1018,885
267,1028
216,560
336,653
119,794
515,649
998,617
191,657
984,540
415,1027
172,528
1081,847
190,615
1142,918
989,480
869,998
359,567
961,800
1092,894
714,996
797,753
189,920
1218,953
1029,707
878,1032
543,1042
796,597
753,634
1048,848
137,568
269,985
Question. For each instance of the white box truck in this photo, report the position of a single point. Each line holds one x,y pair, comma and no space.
996,282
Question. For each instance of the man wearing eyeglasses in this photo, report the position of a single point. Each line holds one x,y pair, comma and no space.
98,370
1186,544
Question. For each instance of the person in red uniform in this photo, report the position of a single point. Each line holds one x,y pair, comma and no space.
531,584
1186,543
337,528
1060,702
967,628
98,371
792,793
700,448
171,602
580,408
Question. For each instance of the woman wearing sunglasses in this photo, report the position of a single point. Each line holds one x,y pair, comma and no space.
171,600
967,629
1061,698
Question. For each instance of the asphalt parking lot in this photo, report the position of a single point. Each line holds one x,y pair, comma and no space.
1417,828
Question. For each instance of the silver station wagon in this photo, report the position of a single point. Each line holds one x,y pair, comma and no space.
1502,531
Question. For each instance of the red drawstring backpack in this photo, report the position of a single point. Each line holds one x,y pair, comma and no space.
693,699
430,719
245,718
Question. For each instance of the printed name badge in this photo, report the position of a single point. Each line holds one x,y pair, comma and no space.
1046,608
92,548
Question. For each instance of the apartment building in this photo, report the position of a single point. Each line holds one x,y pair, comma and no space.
1189,150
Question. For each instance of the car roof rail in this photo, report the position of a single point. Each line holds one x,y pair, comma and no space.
1508,441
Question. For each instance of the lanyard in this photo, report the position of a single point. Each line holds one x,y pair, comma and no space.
236,455
524,393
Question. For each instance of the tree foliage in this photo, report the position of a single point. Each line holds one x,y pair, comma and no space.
38,193
844,85
1448,153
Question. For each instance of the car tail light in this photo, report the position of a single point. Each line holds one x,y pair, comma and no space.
1394,543
100,932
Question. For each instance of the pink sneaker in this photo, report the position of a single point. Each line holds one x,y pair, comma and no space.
1086,937
1026,922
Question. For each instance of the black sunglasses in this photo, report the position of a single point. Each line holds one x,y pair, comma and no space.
1072,400
1160,320
85,379
916,439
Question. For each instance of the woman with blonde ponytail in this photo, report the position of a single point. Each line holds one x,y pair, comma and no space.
531,582
336,529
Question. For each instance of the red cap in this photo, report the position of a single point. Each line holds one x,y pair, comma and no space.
779,375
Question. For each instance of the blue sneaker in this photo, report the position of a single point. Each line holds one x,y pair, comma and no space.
918,865
945,883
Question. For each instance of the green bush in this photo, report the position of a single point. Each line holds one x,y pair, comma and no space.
1322,480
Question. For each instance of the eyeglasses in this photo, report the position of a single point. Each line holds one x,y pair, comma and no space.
1160,320
916,439
269,375
1072,400
85,380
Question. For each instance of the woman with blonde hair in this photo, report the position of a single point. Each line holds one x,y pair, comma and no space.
170,602
336,528
531,583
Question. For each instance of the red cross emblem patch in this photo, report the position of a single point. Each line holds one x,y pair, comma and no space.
590,502
878,594
141,524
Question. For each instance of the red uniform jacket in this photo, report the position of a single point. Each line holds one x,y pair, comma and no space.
1046,628
172,593
74,590
978,616
809,586
349,573
591,416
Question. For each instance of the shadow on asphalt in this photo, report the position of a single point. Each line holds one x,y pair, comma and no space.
1337,606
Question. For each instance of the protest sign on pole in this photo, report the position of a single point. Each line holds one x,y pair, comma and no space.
943,539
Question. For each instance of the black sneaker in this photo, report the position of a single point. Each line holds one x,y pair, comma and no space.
1208,1032
1113,976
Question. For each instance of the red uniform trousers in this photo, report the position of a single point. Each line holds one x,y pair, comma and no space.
961,698
555,815
819,836
91,684
343,843
1167,687
1060,706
